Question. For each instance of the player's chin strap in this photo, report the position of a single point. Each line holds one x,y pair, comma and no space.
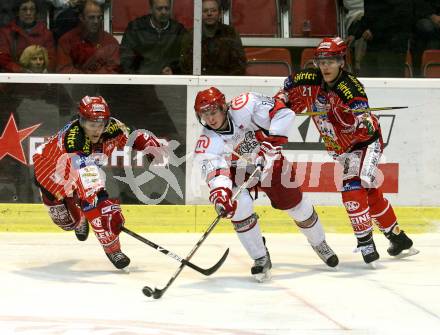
361,110
157,293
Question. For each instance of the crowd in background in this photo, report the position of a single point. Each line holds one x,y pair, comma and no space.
67,36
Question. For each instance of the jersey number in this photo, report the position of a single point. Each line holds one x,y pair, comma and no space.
307,91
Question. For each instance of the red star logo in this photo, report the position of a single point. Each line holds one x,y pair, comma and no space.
10,141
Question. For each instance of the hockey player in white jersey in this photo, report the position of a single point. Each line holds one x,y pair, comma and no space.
254,127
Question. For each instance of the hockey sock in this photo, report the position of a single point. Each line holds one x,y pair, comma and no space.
307,221
381,210
356,205
249,234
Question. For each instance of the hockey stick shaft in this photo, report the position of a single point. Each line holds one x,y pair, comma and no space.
157,293
206,272
363,110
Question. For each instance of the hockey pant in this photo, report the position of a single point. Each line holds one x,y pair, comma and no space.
67,215
361,193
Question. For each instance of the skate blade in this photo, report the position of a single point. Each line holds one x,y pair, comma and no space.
407,253
372,265
263,277
125,270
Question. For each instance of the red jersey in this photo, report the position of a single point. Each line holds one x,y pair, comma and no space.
341,131
53,161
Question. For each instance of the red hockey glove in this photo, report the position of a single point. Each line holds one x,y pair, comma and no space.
152,148
221,197
107,215
267,154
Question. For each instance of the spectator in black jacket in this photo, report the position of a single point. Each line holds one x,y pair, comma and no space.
427,31
222,51
387,27
151,44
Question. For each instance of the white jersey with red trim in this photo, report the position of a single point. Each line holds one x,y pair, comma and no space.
252,118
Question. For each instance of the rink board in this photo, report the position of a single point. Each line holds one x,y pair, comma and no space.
196,218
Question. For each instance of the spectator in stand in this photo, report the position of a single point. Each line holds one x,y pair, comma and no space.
387,36
66,15
21,32
35,59
427,31
355,12
152,43
7,11
88,48
222,51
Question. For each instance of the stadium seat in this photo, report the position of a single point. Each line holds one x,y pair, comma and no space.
183,12
314,18
307,58
431,64
268,62
408,65
255,18
125,11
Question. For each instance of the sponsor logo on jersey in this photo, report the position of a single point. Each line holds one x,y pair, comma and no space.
343,87
202,144
304,75
305,136
240,101
113,128
351,205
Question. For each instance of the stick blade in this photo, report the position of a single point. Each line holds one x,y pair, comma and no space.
211,270
157,293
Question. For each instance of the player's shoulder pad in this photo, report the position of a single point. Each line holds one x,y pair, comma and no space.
244,100
209,142
303,77
114,129
75,140
349,87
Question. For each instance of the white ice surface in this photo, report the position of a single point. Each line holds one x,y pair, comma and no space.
52,284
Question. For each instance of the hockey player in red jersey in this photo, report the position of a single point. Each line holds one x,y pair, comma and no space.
352,138
71,182
254,127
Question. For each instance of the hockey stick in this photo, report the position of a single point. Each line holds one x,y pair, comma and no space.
158,293
364,110
206,272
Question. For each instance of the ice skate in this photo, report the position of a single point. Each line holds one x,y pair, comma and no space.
369,252
261,269
119,259
82,231
326,253
400,244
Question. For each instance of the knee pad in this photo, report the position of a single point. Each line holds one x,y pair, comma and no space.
245,206
303,214
246,224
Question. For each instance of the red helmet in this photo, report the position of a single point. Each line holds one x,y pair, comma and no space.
208,99
94,109
331,47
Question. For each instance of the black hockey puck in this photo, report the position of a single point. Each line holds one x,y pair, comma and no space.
147,291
